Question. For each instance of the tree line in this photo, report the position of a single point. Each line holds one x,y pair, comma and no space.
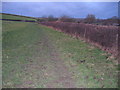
90,19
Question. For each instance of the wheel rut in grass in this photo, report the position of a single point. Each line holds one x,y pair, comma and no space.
46,68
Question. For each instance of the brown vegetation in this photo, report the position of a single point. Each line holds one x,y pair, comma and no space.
105,37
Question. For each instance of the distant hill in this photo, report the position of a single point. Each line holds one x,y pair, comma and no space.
15,17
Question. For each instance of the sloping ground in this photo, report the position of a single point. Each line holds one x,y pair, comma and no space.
39,57
15,17
104,37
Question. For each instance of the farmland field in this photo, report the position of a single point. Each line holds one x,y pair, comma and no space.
37,56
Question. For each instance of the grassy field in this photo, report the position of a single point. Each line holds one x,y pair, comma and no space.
37,56
5,16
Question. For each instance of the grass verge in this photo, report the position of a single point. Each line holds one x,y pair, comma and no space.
91,67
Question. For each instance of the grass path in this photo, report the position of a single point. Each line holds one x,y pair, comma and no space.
39,57
48,68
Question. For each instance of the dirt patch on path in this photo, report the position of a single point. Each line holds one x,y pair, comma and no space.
64,78
46,68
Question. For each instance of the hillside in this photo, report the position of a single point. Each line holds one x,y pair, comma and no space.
16,17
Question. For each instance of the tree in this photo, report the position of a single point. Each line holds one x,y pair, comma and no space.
52,18
90,18
65,18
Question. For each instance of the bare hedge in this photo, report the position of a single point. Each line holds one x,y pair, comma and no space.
104,37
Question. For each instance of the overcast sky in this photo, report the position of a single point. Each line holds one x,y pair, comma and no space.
72,9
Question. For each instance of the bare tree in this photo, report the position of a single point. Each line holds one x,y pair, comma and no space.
90,18
52,18
65,18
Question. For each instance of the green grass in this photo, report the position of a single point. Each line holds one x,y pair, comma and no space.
4,16
20,41
18,38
